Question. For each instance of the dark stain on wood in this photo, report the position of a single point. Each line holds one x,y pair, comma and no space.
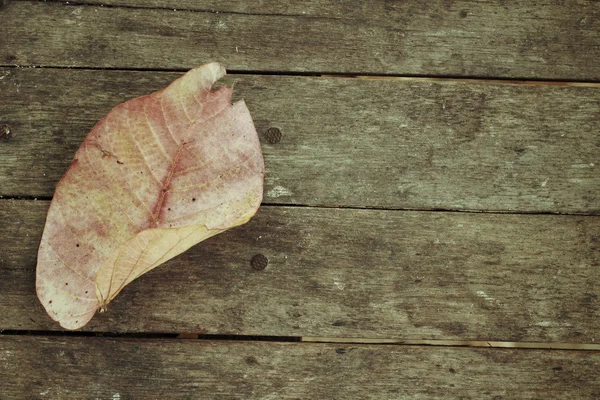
58,137
251,360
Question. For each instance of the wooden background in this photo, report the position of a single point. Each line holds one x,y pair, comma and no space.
435,195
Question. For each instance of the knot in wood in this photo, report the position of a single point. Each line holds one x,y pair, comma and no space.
273,135
259,262
5,132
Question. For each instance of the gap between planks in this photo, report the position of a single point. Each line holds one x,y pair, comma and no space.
313,339
457,343
375,208
186,10
326,74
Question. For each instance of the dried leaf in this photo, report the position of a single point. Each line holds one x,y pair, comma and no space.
154,177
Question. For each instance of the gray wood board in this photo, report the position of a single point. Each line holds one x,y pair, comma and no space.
541,40
347,273
384,143
124,369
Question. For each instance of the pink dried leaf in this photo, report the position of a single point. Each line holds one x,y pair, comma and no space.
154,177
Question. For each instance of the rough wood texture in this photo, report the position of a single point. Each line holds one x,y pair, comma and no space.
545,40
332,274
388,143
61,368
347,273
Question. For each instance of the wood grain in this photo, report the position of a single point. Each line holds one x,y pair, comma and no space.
64,368
416,144
545,40
347,273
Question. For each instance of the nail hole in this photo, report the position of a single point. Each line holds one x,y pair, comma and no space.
193,199
77,245
273,135
259,262
5,132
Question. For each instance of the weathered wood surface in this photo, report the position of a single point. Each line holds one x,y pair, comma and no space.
337,273
543,40
347,273
389,143
67,368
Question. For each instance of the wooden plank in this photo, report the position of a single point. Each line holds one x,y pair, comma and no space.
347,273
391,143
61,368
545,40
